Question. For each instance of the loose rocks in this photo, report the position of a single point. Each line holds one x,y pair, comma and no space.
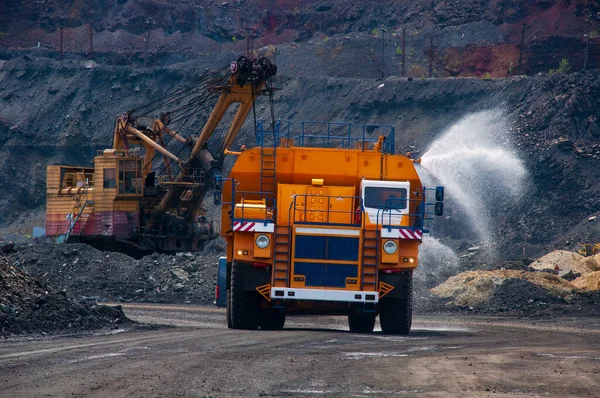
27,306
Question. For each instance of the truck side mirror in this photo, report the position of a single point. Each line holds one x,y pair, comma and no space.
439,208
217,197
439,194
218,183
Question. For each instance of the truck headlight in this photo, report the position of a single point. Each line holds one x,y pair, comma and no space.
390,247
262,241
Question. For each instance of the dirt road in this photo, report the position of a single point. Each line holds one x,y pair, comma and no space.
444,356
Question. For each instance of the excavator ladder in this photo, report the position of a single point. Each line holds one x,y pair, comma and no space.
81,203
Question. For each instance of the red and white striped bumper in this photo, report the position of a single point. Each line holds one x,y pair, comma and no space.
251,226
398,233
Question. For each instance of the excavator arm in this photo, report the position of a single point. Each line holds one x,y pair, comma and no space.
246,82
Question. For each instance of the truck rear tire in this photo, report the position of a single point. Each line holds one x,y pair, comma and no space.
395,313
271,320
228,309
244,304
361,322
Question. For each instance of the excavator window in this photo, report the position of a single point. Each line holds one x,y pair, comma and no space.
110,180
130,177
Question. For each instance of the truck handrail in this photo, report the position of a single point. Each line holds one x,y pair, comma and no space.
349,139
351,213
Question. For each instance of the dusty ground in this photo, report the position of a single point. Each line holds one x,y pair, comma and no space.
443,357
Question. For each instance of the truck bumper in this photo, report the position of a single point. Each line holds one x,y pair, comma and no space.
351,296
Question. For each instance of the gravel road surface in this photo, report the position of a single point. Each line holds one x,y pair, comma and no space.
195,355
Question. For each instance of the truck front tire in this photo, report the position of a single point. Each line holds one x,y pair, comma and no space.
244,304
395,313
271,320
361,322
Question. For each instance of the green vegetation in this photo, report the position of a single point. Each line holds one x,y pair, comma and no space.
398,50
375,32
594,34
233,39
563,67
487,76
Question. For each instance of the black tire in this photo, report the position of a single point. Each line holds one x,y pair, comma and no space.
271,320
395,313
244,304
228,309
361,322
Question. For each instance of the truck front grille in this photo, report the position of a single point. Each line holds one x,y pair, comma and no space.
326,248
326,275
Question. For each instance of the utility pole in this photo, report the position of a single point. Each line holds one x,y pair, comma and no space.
382,52
91,33
403,50
60,52
521,48
250,42
431,56
587,46
147,44
41,3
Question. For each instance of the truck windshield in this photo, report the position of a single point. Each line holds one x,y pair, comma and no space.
383,197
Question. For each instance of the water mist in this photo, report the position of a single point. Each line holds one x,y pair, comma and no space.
476,163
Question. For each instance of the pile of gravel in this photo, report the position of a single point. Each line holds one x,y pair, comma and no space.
27,305
88,273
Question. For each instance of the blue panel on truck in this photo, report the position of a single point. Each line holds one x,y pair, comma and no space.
221,288
326,275
326,248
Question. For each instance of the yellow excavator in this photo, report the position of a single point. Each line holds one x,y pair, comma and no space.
588,249
125,201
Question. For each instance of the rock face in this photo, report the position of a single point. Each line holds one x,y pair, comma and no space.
419,109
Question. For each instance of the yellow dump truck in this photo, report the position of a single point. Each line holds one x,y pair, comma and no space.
323,218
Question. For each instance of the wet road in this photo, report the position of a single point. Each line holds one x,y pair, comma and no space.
197,356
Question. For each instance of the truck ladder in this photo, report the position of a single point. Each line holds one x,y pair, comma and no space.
268,154
281,257
370,260
268,183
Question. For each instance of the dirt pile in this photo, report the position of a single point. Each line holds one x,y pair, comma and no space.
589,282
507,288
561,260
27,305
88,273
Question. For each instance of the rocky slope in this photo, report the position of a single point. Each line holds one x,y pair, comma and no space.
469,37
63,112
